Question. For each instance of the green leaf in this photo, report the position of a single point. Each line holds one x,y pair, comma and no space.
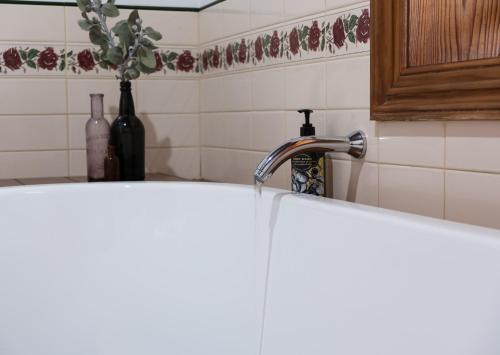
62,65
146,57
103,65
147,43
97,37
122,29
323,42
170,66
32,53
70,53
305,31
117,27
351,37
82,5
114,55
132,73
144,69
133,17
164,57
23,54
304,45
171,56
85,25
31,64
352,22
346,25
110,10
151,33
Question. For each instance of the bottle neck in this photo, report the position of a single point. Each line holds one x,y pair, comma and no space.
126,99
96,106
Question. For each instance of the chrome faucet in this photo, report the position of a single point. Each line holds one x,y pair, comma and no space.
354,144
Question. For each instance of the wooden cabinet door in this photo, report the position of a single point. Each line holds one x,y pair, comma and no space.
435,59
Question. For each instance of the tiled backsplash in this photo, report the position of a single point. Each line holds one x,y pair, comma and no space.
442,169
48,71
230,115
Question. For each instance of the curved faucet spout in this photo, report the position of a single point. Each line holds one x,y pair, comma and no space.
354,144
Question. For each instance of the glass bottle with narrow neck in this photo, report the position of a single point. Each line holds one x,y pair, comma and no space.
127,136
97,139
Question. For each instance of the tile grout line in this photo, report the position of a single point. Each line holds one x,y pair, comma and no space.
445,165
68,155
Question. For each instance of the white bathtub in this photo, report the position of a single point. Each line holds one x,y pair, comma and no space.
178,269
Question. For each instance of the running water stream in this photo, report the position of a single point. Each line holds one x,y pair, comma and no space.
266,208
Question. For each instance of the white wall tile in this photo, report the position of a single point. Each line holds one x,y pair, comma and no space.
298,8
227,165
226,130
171,130
224,19
33,164
33,133
268,130
343,122
469,146
412,143
32,23
335,4
79,91
32,96
305,86
176,27
473,198
348,83
77,163
266,12
413,190
179,162
354,181
172,96
268,89
226,93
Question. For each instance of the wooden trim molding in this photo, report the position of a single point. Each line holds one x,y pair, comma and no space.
403,89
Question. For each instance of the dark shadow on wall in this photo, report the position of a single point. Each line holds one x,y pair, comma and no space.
158,152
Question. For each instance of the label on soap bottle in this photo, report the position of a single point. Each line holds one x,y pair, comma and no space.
308,173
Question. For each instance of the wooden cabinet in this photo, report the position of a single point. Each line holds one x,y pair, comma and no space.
435,59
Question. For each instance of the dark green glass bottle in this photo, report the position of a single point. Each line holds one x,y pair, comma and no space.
127,136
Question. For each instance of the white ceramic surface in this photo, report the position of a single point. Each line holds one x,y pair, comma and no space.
180,269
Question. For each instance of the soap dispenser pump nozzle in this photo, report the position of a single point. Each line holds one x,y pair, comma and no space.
307,128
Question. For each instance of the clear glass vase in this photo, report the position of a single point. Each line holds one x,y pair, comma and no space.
97,137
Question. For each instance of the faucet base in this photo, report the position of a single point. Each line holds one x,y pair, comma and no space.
357,142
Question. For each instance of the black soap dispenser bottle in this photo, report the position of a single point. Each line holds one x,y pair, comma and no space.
308,169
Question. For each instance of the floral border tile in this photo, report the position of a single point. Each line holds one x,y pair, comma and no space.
81,60
326,36
24,59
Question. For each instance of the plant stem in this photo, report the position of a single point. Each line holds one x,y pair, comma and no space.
96,7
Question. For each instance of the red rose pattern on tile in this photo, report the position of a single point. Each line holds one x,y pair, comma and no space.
325,36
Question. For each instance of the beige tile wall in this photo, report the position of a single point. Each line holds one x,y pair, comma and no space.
43,114
445,170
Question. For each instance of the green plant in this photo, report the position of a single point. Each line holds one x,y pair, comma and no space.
128,46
